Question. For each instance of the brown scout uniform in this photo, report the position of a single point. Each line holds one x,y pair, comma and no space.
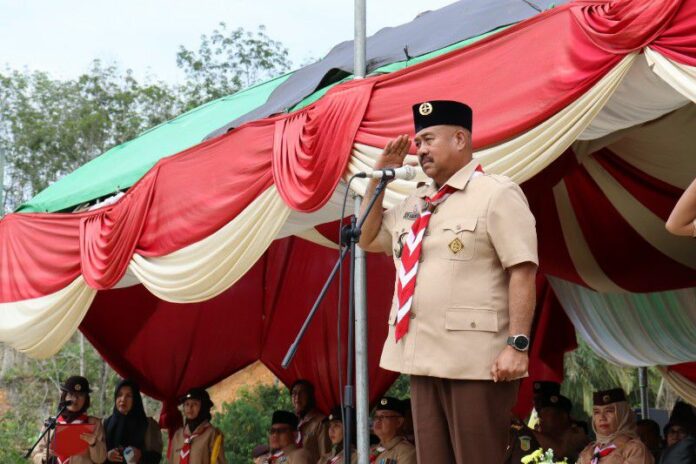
336,457
628,451
201,446
521,443
569,445
397,451
460,315
291,455
315,434
95,455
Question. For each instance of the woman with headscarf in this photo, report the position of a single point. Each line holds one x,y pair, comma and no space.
75,393
129,427
197,442
614,424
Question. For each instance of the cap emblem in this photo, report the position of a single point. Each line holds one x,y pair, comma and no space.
77,387
606,398
425,108
383,402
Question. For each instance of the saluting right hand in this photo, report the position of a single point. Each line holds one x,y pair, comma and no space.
394,153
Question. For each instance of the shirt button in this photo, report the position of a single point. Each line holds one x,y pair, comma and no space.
473,325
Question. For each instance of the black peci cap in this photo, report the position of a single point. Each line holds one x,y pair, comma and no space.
285,417
553,401
439,112
388,403
546,388
199,394
604,397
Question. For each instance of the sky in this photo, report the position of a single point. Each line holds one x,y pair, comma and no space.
62,37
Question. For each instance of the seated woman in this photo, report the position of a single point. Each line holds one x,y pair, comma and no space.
615,426
197,442
335,456
129,427
76,391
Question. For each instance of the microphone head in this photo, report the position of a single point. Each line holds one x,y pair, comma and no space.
66,403
409,172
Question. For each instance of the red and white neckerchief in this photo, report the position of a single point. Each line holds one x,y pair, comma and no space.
599,453
410,256
334,459
83,419
376,451
273,457
185,452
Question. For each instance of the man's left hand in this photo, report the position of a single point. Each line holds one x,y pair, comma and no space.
510,365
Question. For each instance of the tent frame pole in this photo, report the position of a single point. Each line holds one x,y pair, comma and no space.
643,384
362,382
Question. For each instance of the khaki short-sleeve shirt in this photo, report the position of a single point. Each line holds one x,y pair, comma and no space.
459,316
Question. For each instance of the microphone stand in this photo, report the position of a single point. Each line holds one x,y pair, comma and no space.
49,424
350,234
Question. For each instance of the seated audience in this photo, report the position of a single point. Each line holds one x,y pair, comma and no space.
649,433
614,425
335,456
282,441
556,429
388,422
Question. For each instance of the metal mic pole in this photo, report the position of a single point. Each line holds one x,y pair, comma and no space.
49,425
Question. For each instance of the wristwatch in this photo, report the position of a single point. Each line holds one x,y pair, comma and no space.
519,342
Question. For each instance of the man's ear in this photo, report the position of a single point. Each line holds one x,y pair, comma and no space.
463,138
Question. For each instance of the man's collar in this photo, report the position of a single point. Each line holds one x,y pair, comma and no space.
458,180
393,442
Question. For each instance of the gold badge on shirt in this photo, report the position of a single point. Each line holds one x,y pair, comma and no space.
456,246
525,443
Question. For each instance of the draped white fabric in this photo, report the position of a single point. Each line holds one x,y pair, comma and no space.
680,76
680,384
40,326
633,329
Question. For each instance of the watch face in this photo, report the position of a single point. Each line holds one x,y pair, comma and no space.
521,343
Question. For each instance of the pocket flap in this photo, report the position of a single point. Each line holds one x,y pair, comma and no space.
482,320
462,224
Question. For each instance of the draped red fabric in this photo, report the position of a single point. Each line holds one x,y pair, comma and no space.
541,65
687,370
314,145
624,26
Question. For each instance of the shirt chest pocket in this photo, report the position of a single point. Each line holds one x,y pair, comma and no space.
458,239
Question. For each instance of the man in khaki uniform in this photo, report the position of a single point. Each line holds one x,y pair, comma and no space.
468,318
281,441
312,433
556,428
393,447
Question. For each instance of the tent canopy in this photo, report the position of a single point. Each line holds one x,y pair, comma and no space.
587,105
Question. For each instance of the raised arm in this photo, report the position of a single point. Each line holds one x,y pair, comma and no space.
392,156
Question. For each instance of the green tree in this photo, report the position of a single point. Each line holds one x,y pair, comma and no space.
228,61
49,127
245,422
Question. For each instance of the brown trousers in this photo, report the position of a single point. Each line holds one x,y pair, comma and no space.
461,421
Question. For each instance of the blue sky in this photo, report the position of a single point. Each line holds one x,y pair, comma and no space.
64,36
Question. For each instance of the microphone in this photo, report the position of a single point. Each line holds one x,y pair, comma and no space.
65,404
406,172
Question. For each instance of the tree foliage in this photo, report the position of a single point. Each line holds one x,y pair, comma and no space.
228,61
245,422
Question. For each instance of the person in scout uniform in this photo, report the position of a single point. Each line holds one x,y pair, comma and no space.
387,423
465,251
312,434
197,442
76,389
556,429
614,424
522,442
282,441
335,431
